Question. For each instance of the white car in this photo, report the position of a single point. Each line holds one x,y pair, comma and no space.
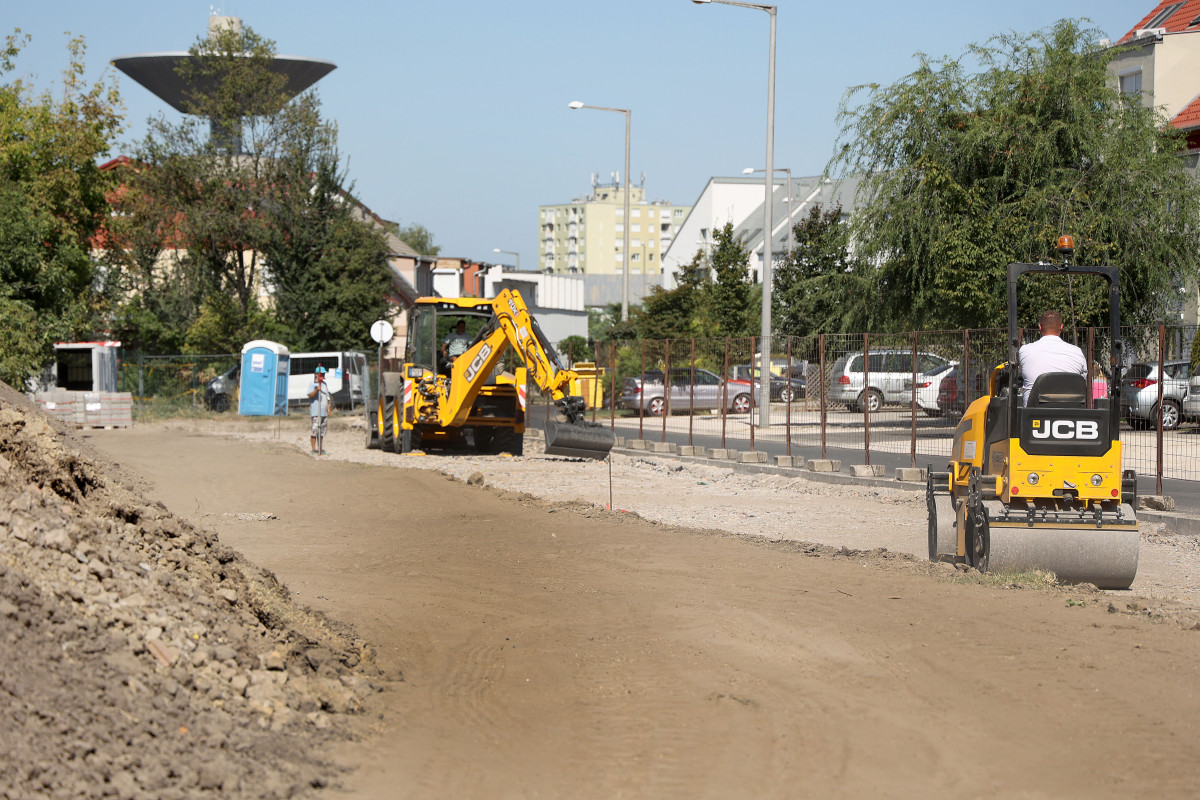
927,387
1191,403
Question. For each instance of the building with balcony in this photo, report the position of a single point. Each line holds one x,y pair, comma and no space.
586,237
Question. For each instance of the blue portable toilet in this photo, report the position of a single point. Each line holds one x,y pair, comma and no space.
264,381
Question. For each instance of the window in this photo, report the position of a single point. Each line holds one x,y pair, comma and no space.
1132,83
651,257
678,212
637,227
637,212
636,257
1161,17
665,227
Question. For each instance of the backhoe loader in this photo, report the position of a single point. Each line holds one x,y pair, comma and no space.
468,401
1041,486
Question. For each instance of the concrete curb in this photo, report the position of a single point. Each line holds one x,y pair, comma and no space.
909,479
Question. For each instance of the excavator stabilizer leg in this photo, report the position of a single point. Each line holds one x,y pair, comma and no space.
578,440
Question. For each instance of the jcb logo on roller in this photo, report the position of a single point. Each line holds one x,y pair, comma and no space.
1086,429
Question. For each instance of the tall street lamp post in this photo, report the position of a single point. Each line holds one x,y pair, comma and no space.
625,240
512,253
788,172
764,408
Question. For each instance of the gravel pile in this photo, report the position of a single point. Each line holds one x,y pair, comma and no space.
140,657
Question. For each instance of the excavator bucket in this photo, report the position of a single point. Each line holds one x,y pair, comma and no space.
578,440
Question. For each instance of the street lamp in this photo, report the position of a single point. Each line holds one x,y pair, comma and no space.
787,171
575,105
511,253
768,177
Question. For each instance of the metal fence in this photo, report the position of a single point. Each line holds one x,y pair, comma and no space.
877,393
867,392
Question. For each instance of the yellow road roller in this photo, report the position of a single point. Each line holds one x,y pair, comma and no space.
1038,484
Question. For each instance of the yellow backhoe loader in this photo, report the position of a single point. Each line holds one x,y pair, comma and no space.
1041,486
466,400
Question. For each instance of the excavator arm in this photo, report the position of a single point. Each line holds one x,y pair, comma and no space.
513,326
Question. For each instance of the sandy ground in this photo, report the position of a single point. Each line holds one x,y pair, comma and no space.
714,636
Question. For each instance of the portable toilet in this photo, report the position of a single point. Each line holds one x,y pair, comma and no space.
264,381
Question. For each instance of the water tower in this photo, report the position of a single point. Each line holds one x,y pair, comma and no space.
159,72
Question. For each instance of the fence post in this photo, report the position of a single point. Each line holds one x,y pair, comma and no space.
642,399
913,445
966,367
791,398
821,345
612,398
692,392
761,379
141,386
1091,371
724,392
1162,376
666,388
866,399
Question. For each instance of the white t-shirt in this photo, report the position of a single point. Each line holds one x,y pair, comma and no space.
1048,354
319,405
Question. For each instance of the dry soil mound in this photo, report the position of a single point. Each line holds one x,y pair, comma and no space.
140,657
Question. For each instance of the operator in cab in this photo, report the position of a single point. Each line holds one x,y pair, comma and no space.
1049,354
457,341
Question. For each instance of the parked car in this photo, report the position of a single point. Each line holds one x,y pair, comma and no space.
703,391
219,393
1139,394
783,389
1191,403
891,378
954,392
929,385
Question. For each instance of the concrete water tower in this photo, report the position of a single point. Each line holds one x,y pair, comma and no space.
159,72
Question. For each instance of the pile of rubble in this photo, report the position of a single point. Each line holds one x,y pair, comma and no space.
140,657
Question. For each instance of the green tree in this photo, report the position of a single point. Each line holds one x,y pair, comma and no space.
52,204
728,300
419,238
820,287
210,221
964,171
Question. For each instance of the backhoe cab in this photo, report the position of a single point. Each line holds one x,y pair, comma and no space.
1041,486
471,401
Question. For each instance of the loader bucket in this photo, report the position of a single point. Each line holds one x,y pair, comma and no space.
580,440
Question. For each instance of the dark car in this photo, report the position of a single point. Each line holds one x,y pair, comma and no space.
783,389
219,392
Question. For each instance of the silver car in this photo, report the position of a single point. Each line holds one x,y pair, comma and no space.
891,378
1191,403
1139,394
698,389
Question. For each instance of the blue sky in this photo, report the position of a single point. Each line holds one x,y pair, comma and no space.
454,114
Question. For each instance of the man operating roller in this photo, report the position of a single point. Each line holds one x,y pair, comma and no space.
1049,354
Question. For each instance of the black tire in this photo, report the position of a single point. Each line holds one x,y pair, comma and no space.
408,441
372,432
979,544
222,403
507,440
483,439
933,412
1170,415
874,397
388,438
741,404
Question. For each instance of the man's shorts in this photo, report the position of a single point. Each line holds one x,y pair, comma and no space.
319,426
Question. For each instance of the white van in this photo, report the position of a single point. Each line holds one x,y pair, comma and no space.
345,372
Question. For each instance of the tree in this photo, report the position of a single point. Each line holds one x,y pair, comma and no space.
419,238
261,204
820,287
964,172
52,203
728,299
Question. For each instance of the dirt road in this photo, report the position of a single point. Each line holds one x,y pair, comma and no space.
555,650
